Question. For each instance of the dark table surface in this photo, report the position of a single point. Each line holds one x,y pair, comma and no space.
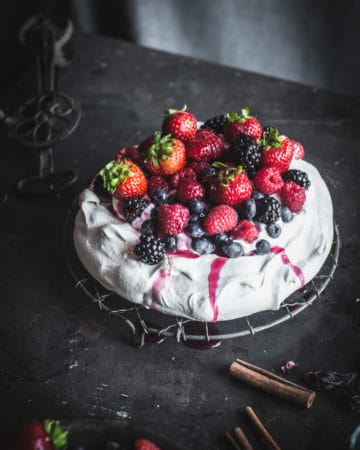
61,357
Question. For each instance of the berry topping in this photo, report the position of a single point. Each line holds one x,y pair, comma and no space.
186,173
297,176
133,207
273,230
293,196
262,247
241,123
277,150
206,146
145,444
173,218
125,178
244,151
220,219
299,151
194,218
197,166
221,239
159,196
189,189
267,210
230,186
216,123
232,249
194,230
170,242
286,214
246,231
165,156
202,245
150,249
148,227
247,209
180,124
256,195
155,182
268,180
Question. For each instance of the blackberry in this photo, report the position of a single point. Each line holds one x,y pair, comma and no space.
267,210
150,249
297,176
216,123
98,188
244,151
133,207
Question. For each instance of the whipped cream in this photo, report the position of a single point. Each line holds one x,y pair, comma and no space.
208,287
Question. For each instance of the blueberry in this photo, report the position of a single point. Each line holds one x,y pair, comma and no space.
195,206
221,239
257,195
159,196
273,230
194,230
194,218
262,247
248,209
207,172
148,227
170,242
232,249
202,245
286,214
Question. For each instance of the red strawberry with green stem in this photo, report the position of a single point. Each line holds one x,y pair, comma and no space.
277,150
46,435
241,123
180,124
229,186
165,155
124,178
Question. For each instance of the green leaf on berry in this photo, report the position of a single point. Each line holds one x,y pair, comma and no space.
115,172
57,435
170,111
271,139
235,117
161,149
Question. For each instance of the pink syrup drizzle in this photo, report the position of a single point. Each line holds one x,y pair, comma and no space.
285,259
159,284
213,280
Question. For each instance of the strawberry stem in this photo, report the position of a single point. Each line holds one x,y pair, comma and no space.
56,434
271,139
226,173
160,150
114,173
242,117
171,111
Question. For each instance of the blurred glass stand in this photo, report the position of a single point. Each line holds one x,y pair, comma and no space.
51,116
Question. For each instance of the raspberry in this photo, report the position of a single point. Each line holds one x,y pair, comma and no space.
268,180
219,219
186,173
197,166
156,182
128,152
173,218
293,196
189,189
245,230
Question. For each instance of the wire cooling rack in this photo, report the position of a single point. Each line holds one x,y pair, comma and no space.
146,324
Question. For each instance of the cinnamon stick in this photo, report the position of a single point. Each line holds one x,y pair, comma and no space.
241,439
273,384
261,431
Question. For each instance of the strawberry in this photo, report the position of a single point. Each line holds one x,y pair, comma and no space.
188,189
220,219
293,196
172,218
229,186
124,178
46,435
241,123
245,230
206,146
145,444
277,150
165,155
299,151
268,180
128,152
180,124
156,182
186,172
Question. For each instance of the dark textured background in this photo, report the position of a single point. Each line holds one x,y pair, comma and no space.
61,357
